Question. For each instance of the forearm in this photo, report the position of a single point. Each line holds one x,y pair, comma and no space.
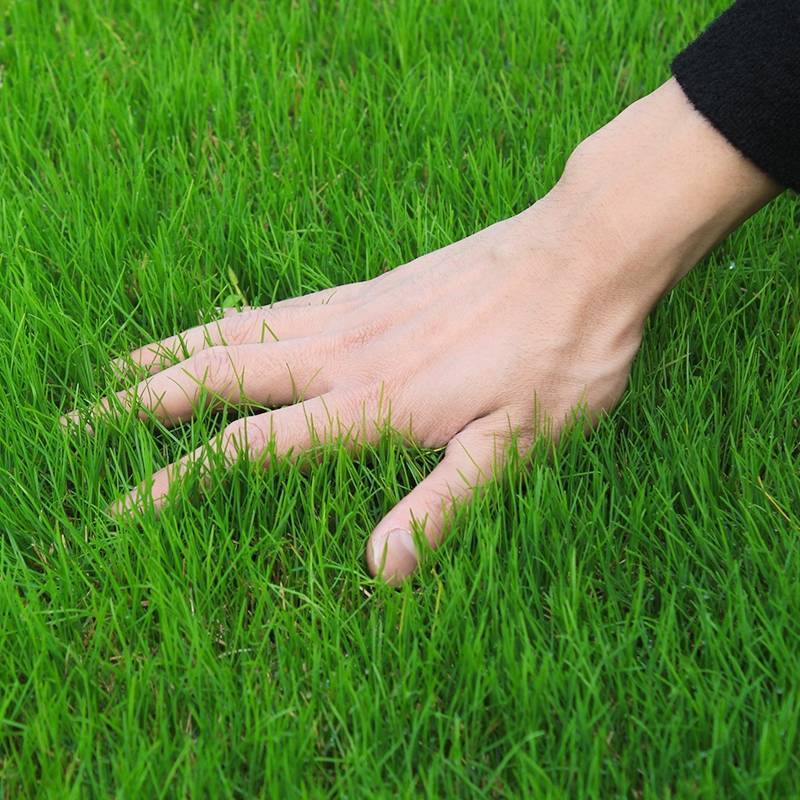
650,194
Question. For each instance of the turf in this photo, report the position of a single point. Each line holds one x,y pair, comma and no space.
622,620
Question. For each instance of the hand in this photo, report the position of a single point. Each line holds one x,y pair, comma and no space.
489,341
451,349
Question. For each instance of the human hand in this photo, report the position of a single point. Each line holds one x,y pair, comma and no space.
487,342
450,350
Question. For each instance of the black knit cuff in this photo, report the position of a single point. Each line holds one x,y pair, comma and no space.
743,75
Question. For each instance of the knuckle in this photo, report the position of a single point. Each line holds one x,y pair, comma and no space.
354,406
211,364
234,429
480,447
239,435
347,340
346,417
232,435
438,497
242,329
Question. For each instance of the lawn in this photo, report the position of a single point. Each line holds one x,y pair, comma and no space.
619,620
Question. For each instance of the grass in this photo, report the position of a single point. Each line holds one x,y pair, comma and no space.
620,621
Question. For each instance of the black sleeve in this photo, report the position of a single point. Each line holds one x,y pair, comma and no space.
743,75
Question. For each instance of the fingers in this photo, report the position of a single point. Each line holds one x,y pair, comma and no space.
276,374
254,326
470,460
291,431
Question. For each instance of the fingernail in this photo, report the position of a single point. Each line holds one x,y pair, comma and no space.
394,555
73,418
70,418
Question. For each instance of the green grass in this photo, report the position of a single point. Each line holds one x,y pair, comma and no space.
620,621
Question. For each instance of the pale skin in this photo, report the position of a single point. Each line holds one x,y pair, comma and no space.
487,342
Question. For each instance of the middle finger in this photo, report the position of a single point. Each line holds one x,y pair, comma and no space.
268,374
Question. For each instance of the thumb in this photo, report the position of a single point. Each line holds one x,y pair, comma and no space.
469,461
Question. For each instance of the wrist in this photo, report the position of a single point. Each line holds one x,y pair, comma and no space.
649,194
